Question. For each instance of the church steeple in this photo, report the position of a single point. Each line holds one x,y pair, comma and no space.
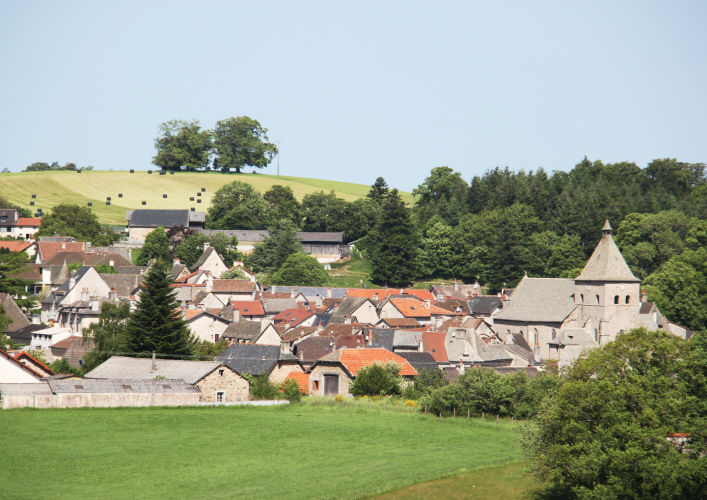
607,263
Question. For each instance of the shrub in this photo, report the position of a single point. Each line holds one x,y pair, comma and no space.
377,380
291,390
339,398
262,388
410,402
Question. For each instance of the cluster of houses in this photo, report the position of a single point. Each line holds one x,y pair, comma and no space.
318,336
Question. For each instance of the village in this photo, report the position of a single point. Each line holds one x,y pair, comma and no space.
320,337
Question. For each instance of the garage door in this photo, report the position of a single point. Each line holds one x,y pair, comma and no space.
331,385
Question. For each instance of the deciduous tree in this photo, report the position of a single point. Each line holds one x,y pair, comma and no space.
241,142
274,250
300,269
182,144
79,222
237,206
156,247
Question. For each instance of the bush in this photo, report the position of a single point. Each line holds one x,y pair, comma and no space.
291,390
63,366
339,398
377,380
262,388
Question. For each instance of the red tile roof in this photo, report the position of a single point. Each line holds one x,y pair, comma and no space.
293,316
29,221
350,342
233,286
66,343
15,246
434,343
302,379
49,249
413,308
248,307
384,292
184,278
33,361
355,359
190,313
402,322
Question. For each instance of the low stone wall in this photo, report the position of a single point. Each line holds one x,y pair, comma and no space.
100,400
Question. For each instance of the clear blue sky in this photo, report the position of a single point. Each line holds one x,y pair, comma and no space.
355,90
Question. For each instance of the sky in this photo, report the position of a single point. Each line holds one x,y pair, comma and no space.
358,90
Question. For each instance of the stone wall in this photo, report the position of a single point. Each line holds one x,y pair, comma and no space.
280,373
317,375
100,400
234,387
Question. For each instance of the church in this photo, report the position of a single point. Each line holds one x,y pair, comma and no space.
562,317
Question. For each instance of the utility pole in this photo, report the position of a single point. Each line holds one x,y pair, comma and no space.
278,142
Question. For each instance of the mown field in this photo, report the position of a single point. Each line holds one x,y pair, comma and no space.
297,452
53,188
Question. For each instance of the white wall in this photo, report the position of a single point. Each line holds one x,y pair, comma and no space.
12,373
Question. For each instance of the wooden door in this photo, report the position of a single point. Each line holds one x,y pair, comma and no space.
331,385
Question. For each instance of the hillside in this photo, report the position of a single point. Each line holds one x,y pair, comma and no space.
53,188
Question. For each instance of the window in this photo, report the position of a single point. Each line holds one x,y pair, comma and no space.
219,397
628,298
554,334
598,300
316,385
581,298
216,337
616,299
596,335
220,373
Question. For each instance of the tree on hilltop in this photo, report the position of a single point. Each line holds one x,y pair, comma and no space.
241,142
182,144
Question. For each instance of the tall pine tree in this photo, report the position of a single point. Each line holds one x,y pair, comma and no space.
396,244
156,324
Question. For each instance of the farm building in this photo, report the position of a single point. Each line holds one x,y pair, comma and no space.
142,222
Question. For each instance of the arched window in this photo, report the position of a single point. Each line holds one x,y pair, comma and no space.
535,336
598,299
616,299
554,334
582,298
628,298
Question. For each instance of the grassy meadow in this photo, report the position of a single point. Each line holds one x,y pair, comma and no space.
332,450
53,188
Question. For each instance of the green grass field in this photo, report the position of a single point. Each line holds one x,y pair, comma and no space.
53,188
297,452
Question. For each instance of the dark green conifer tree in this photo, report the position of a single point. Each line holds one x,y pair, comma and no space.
156,324
396,243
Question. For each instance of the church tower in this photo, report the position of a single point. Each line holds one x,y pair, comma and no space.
607,292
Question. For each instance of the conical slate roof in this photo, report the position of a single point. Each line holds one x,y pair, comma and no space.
63,274
607,263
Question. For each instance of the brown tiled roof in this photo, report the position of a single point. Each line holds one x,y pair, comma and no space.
355,359
338,329
29,221
233,286
412,308
15,246
49,249
313,348
293,316
248,307
66,343
402,322
350,342
384,292
298,332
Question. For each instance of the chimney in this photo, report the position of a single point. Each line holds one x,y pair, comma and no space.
84,295
440,296
154,361
426,303
318,303
175,262
72,283
284,346
354,329
461,367
88,244
374,296
301,356
209,284
236,315
95,304
320,327
63,245
422,345
111,263
293,293
113,295
644,295
456,285
347,320
206,246
328,293
439,321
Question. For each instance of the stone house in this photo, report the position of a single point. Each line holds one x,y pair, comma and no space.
252,359
228,290
142,222
210,261
207,326
251,332
570,344
333,374
218,383
465,346
361,308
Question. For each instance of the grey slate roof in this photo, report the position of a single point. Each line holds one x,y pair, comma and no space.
465,344
380,338
200,261
574,336
312,291
65,287
348,306
248,331
419,360
155,218
131,269
176,270
540,300
121,386
276,306
26,332
406,338
253,359
120,367
607,263
125,284
255,236
485,305
40,389
13,311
